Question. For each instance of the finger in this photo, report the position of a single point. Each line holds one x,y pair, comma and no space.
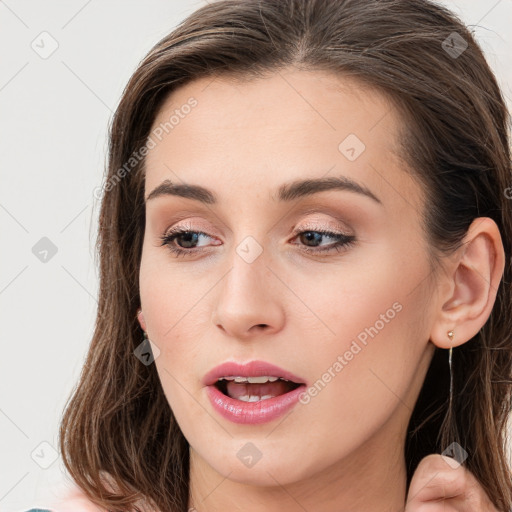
437,477
440,481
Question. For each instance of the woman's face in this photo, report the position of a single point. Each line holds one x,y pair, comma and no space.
258,281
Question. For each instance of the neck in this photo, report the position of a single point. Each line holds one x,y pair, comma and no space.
371,480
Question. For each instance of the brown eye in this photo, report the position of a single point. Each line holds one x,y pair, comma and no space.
310,239
188,240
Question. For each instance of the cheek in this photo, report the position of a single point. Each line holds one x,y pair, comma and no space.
368,323
373,337
346,303
175,310
171,298
171,308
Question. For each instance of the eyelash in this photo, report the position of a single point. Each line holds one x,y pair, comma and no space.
344,241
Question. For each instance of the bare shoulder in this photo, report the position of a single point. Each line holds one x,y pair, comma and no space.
75,500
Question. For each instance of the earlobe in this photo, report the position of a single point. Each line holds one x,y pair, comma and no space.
475,280
140,318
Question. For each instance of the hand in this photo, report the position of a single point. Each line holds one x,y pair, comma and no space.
437,486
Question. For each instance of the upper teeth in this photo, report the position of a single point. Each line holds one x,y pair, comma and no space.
253,380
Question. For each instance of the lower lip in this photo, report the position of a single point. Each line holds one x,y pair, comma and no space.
253,412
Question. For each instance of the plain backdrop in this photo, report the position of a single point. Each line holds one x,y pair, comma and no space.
64,65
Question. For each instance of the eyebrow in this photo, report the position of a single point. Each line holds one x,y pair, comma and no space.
286,192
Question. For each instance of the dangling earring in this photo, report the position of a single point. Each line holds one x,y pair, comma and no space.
450,353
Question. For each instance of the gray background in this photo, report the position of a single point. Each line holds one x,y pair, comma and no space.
55,112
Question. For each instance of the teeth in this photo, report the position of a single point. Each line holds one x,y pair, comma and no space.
253,398
253,380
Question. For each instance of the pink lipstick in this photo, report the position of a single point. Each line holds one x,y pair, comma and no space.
252,393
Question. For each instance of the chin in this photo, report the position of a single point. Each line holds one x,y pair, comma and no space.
268,471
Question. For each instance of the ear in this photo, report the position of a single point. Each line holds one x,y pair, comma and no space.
471,285
140,318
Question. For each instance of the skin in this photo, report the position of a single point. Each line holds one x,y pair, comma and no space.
436,487
344,449
440,486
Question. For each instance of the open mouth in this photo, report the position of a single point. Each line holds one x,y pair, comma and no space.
254,389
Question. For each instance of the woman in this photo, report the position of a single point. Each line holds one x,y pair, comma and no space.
305,269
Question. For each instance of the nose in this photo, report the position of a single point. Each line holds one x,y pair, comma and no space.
249,300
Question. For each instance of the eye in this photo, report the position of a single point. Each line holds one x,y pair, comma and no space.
188,239
314,236
187,235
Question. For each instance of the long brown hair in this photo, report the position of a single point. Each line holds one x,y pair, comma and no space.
117,424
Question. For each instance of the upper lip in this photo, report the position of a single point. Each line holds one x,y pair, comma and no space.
250,369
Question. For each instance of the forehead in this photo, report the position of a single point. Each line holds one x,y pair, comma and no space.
252,135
